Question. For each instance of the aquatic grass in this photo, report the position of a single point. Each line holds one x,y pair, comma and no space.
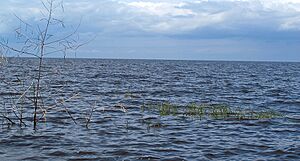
154,124
131,95
266,115
168,109
213,111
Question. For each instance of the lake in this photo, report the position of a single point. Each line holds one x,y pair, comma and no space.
119,129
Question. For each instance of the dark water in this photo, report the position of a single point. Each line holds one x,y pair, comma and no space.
117,135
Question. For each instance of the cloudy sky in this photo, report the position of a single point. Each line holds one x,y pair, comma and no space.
174,29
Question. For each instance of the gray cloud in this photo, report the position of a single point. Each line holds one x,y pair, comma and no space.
166,16
177,26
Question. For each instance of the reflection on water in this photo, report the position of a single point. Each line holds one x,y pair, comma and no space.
137,135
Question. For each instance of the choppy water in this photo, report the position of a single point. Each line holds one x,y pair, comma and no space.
115,135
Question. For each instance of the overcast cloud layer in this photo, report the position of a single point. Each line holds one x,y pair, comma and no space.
176,29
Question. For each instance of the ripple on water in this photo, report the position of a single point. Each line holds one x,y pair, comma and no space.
127,133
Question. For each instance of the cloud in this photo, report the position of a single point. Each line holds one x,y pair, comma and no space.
292,23
180,17
162,8
147,28
167,16
170,17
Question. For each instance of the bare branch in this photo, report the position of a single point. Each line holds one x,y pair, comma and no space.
16,115
63,100
87,42
89,118
67,36
68,112
38,41
7,118
21,20
45,6
17,50
16,90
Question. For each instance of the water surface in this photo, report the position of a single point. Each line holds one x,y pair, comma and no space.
114,134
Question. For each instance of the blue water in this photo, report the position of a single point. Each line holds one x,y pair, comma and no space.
129,133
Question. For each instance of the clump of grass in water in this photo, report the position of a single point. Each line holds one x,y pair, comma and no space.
195,110
168,109
215,111
220,111
266,115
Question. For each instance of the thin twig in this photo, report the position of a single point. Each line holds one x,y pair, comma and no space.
18,51
56,104
11,121
90,115
68,112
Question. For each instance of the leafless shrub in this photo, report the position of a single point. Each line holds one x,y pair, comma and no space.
39,39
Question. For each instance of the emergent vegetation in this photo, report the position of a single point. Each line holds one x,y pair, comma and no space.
214,111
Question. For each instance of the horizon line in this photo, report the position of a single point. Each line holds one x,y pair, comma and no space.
164,59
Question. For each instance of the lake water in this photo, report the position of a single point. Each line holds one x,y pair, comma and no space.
129,133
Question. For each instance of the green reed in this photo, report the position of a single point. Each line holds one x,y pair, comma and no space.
214,111
168,109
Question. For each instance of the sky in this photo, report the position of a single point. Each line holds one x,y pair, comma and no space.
239,30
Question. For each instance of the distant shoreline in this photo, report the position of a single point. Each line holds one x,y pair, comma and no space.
161,59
